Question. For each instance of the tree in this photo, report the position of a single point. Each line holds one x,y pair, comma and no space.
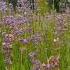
13,2
54,4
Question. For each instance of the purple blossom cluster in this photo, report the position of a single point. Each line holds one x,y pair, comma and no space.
7,47
23,6
61,25
35,39
22,20
11,20
3,6
24,41
18,32
52,63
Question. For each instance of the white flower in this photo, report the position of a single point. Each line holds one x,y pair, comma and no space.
25,13
43,64
3,43
57,39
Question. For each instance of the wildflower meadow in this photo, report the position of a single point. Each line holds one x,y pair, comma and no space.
34,35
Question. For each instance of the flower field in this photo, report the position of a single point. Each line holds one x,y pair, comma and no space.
34,40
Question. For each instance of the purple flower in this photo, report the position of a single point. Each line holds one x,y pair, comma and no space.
19,32
24,41
20,20
48,67
9,20
8,38
3,6
36,65
32,54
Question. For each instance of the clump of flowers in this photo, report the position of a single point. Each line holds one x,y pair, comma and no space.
3,6
54,62
11,20
7,47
